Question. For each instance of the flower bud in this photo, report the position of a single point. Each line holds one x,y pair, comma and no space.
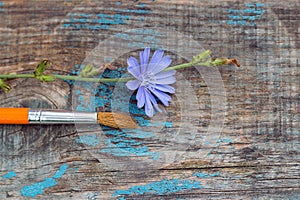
200,57
218,61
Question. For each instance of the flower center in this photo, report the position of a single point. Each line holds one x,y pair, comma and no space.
148,80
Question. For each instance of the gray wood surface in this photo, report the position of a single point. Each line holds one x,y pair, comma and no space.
229,133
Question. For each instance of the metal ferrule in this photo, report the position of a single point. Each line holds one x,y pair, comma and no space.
61,117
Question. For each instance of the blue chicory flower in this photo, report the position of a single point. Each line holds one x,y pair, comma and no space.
151,80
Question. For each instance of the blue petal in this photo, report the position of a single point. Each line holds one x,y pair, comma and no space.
168,80
163,64
164,98
133,67
154,102
148,106
165,88
144,59
161,75
131,61
156,58
133,84
140,96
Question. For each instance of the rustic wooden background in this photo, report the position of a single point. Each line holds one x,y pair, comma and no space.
233,134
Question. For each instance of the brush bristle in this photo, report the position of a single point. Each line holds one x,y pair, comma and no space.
116,120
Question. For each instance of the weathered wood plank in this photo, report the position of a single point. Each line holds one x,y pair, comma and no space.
236,136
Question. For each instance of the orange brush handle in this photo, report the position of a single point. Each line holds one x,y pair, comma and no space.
14,116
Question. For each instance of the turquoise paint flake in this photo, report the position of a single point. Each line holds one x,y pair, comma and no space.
259,4
61,171
141,5
233,11
205,175
119,143
38,188
234,16
139,11
168,124
9,175
163,187
225,140
90,140
253,11
1,4
94,21
247,16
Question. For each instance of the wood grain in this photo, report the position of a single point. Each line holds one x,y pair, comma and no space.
229,133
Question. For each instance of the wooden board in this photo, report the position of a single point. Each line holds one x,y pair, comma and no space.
229,133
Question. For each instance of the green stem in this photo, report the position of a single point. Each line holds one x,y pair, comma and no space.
185,65
67,77
95,80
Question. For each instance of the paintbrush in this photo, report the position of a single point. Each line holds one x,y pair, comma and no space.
43,116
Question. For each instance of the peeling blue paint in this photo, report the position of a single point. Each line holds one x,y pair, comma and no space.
139,11
168,124
101,21
259,4
246,16
94,21
119,143
61,171
141,5
38,188
90,140
9,175
225,140
253,11
205,175
1,4
162,187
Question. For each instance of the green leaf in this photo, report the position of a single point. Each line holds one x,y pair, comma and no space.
4,86
39,70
